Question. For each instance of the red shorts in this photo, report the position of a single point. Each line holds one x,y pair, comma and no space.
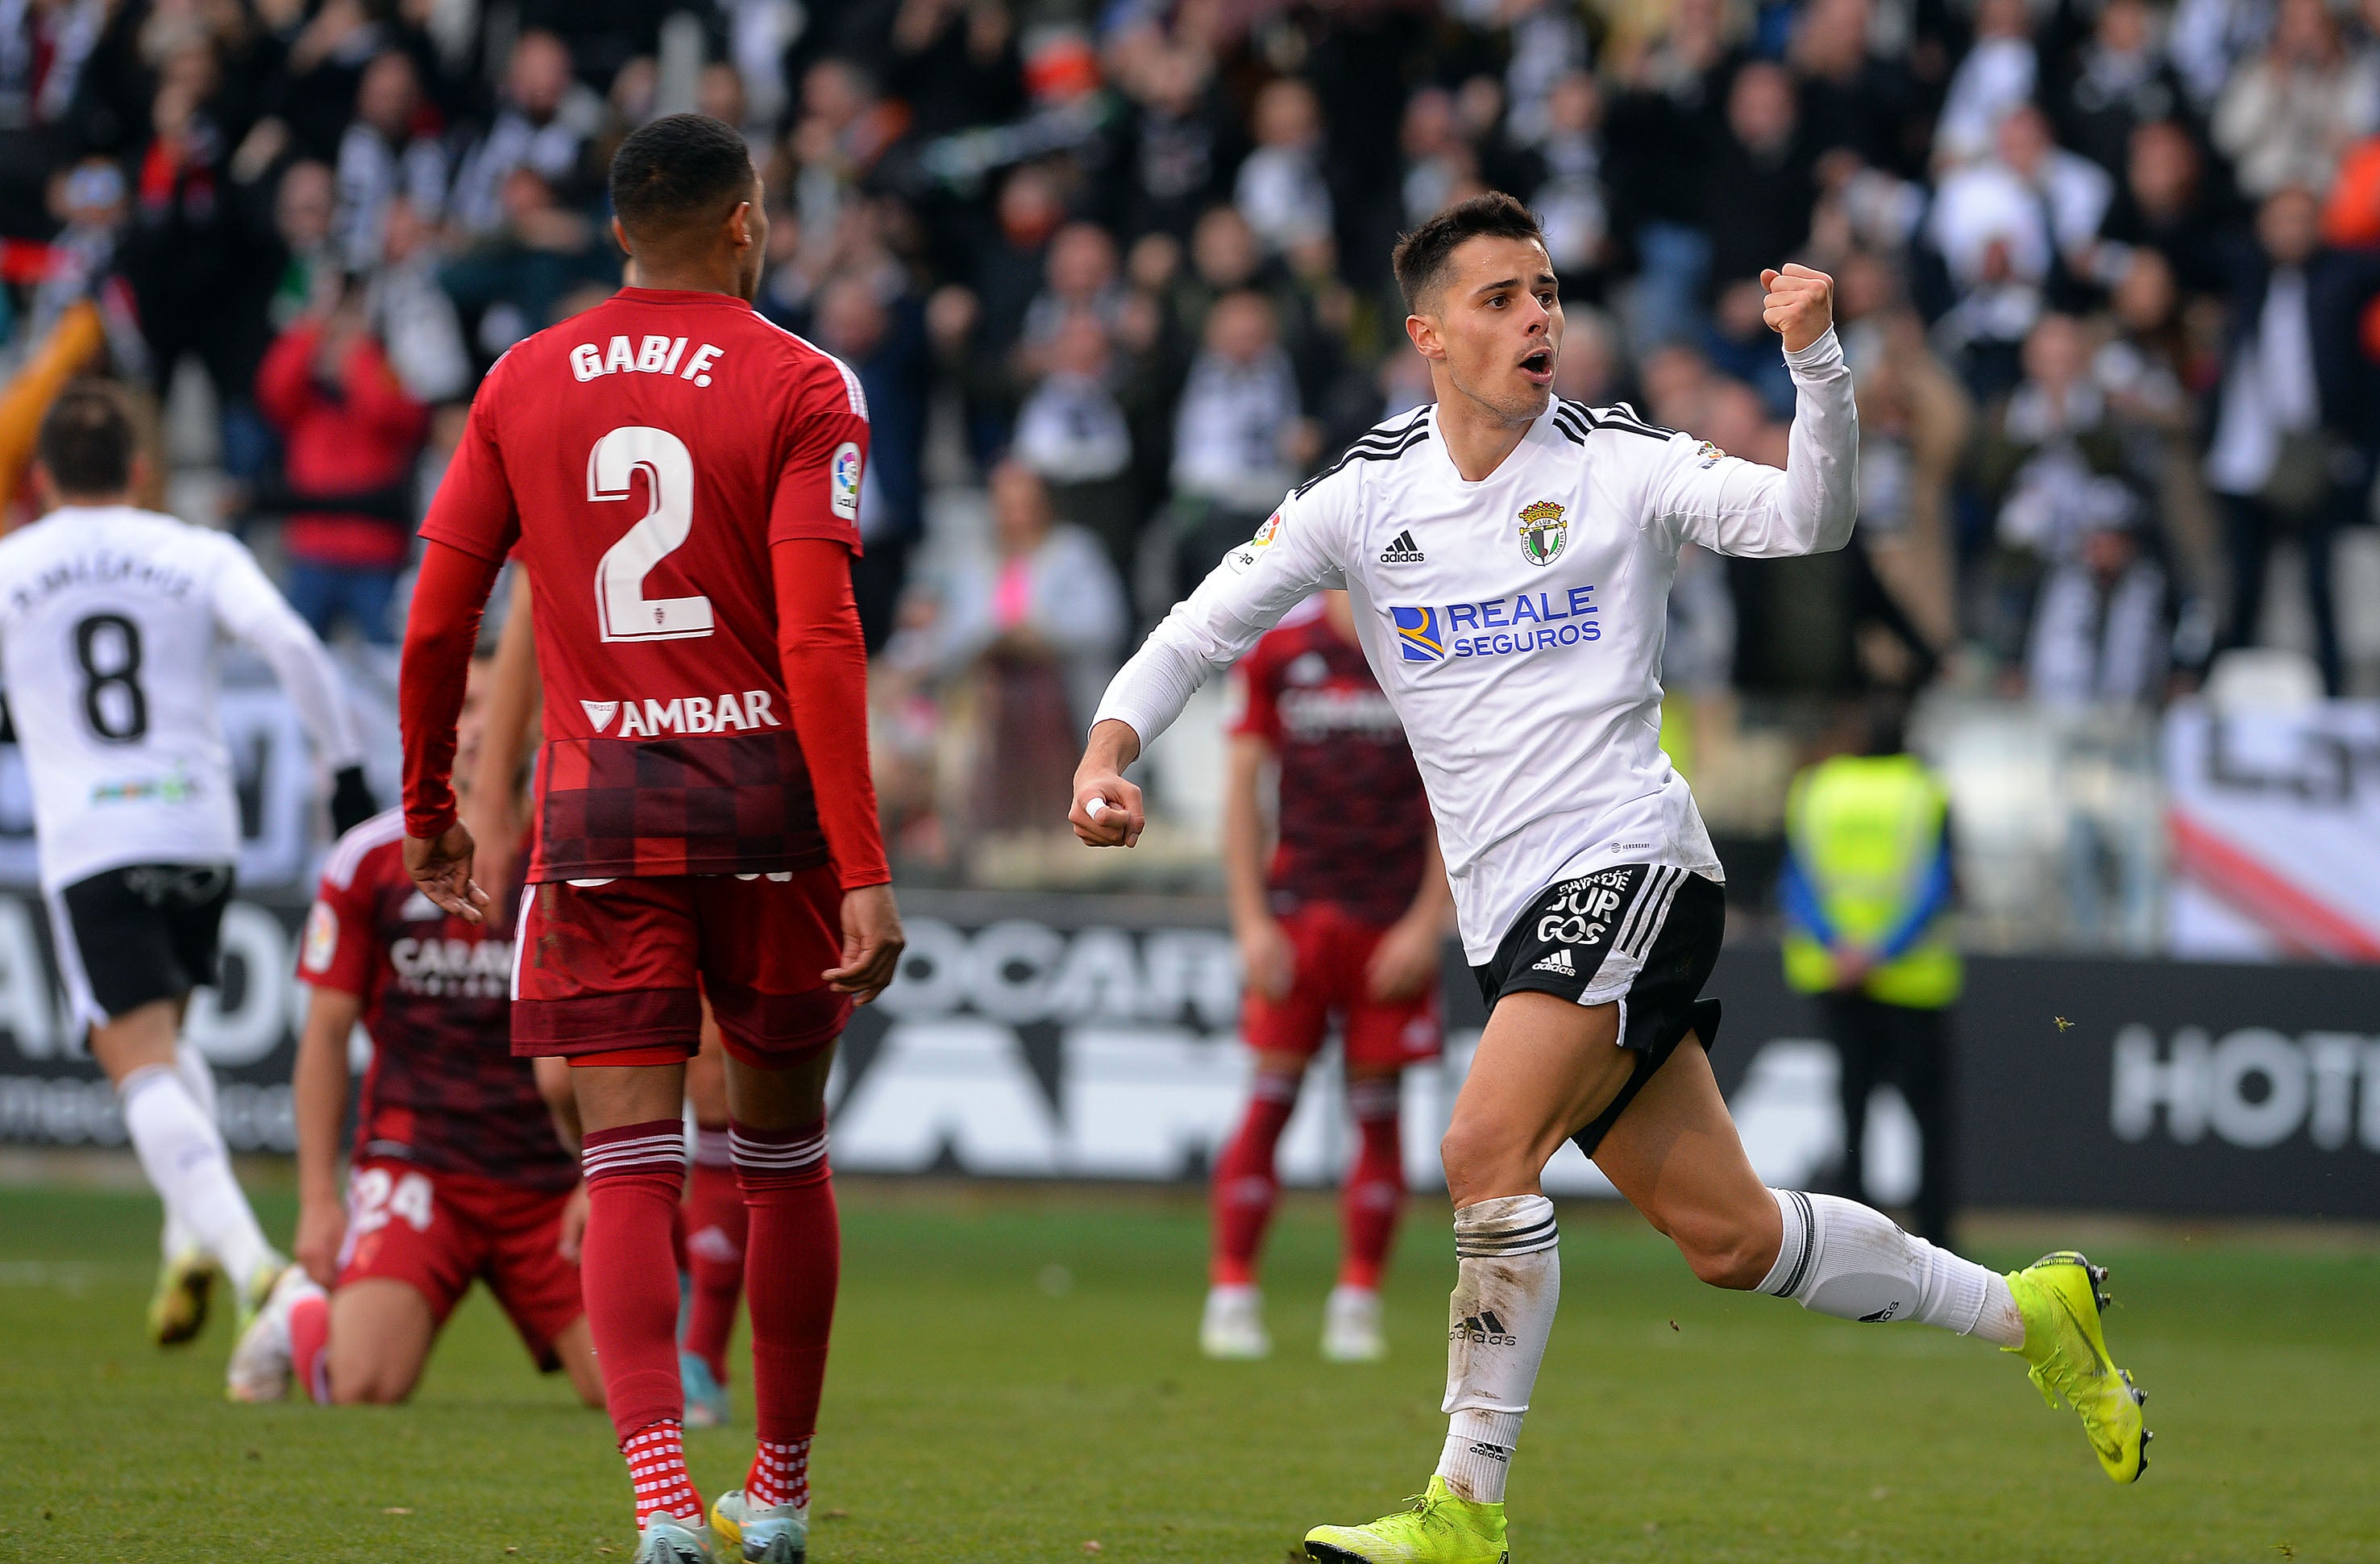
622,965
436,1231
1334,951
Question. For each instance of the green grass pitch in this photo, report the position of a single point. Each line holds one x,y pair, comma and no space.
1016,1378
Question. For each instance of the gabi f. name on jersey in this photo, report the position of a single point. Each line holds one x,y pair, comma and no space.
1516,623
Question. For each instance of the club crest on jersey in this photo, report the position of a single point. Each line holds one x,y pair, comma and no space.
1543,532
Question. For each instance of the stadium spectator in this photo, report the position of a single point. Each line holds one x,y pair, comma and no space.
391,150
350,433
2288,449
1280,190
2285,118
2102,628
1239,438
1039,626
1760,185
883,342
1997,75
546,124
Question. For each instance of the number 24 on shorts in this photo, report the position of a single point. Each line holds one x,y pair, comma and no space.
376,1196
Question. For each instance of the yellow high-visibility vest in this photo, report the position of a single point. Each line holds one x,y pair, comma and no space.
1866,830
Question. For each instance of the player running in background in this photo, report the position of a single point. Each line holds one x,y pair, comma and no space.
1347,922
458,1170
681,479
111,620
1509,556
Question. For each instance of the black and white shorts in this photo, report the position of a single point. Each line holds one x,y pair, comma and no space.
132,935
1644,935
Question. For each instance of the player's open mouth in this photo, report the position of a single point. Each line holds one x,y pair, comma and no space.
1539,366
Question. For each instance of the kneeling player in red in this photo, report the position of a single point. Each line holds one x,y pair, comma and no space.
1348,922
681,479
458,1174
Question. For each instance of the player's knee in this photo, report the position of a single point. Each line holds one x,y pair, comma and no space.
374,1381
1479,1164
1722,1251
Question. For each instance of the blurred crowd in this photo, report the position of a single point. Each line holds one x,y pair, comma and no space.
1114,276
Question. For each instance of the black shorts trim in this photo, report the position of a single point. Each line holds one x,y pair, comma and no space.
1644,935
144,932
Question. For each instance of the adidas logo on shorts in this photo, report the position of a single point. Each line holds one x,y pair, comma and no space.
1402,550
1558,962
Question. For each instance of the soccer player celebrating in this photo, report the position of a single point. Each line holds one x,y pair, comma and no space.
1349,921
458,1172
1508,555
682,481
111,619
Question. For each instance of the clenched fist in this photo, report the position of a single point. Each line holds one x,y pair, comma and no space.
1799,306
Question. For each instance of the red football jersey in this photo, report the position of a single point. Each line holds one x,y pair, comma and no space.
645,455
444,1089
1354,819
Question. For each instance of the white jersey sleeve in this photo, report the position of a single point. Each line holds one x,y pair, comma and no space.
1742,507
250,610
1292,555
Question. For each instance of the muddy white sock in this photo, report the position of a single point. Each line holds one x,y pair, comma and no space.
1508,1283
183,1155
1841,1258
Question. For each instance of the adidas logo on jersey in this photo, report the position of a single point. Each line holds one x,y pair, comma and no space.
1559,962
1402,550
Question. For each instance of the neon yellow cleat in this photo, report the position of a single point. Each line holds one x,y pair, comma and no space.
2059,1295
1438,1529
178,1310
748,1532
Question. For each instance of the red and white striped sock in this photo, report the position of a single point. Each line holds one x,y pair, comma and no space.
657,1470
780,1474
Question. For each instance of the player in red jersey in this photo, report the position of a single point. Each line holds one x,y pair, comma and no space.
457,1171
681,482
1347,922
713,1213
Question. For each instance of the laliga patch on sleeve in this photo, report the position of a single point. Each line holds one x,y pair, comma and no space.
322,937
843,482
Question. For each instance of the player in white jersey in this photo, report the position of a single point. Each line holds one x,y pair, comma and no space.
1509,556
111,621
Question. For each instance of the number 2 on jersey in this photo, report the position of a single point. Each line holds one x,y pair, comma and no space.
622,610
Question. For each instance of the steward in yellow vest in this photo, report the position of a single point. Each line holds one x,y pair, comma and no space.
1867,882
1867,890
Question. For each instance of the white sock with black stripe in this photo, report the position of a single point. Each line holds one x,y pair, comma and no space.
1844,1259
1508,1283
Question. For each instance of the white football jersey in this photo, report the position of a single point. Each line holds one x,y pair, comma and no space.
111,621
1516,623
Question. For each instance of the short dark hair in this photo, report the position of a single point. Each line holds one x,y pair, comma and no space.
680,169
87,440
1421,256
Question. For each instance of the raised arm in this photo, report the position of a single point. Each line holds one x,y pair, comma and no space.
1755,512
1243,597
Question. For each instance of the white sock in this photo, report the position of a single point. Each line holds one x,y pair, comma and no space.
190,1067
183,1154
1841,1258
1508,1283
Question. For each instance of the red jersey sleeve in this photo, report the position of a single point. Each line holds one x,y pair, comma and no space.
474,510
339,950
1257,712
826,452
